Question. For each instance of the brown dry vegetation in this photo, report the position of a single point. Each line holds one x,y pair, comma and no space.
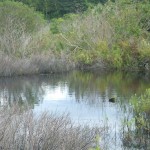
39,63
24,130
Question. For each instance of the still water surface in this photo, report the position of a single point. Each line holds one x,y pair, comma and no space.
84,95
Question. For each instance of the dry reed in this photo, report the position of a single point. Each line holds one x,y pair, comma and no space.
24,131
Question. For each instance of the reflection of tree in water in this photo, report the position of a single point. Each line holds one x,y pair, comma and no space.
87,87
21,90
26,89
92,87
96,88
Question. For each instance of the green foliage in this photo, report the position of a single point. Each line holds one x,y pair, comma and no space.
138,127
129,17
114,33
144,49
55,25
141,103
97,147
83,57
19,16
115,58
57,8
141,108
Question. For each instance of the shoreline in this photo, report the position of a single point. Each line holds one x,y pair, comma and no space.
36,65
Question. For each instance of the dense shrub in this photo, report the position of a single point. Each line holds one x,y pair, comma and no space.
117,32
17,26
115,35
53,8
16,15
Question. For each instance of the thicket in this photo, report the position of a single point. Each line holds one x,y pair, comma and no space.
114,35
18,23
26,44
57,8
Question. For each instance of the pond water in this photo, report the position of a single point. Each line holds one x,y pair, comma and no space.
84,95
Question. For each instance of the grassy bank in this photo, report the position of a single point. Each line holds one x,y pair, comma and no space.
111,36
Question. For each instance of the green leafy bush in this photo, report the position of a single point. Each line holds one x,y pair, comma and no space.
141,103
141,109
138,124
115,32
16,15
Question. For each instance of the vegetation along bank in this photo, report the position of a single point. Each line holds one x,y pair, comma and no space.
112,35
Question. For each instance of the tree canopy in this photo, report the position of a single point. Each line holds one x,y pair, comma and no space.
57,8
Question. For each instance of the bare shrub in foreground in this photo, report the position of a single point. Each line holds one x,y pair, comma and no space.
25,131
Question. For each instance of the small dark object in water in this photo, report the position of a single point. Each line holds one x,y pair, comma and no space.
112,100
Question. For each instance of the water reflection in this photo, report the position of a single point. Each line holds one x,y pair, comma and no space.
85,95
84,87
